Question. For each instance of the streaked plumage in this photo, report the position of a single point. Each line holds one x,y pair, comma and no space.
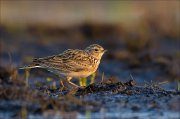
72,63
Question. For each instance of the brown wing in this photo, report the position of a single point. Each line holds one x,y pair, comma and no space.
70,60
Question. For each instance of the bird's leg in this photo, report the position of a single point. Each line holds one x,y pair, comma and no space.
62,84
69,81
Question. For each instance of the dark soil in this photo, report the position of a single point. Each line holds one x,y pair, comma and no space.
110,98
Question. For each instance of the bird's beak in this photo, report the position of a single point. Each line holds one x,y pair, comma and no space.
104,51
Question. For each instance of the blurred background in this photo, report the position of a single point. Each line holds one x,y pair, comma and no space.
142,37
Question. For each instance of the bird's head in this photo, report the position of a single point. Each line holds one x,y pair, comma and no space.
95,50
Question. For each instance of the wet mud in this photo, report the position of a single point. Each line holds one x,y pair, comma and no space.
109,98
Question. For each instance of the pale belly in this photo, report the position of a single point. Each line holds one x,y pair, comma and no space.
83,74
79,74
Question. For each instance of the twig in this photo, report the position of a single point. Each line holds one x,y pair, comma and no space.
102,79
131,77
10,57
27,74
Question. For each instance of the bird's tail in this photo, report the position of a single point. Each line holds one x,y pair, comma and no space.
30,66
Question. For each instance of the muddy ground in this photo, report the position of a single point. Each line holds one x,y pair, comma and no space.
107,99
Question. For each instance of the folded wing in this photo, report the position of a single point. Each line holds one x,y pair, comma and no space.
69,61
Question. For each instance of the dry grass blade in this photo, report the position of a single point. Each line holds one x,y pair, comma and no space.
27,74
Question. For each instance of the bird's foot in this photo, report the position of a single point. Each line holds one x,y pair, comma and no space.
81,87
63,86
73,84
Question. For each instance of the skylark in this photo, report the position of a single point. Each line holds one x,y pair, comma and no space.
72,63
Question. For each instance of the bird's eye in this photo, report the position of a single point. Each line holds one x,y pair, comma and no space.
96,49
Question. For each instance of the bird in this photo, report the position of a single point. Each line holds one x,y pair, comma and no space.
72,63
